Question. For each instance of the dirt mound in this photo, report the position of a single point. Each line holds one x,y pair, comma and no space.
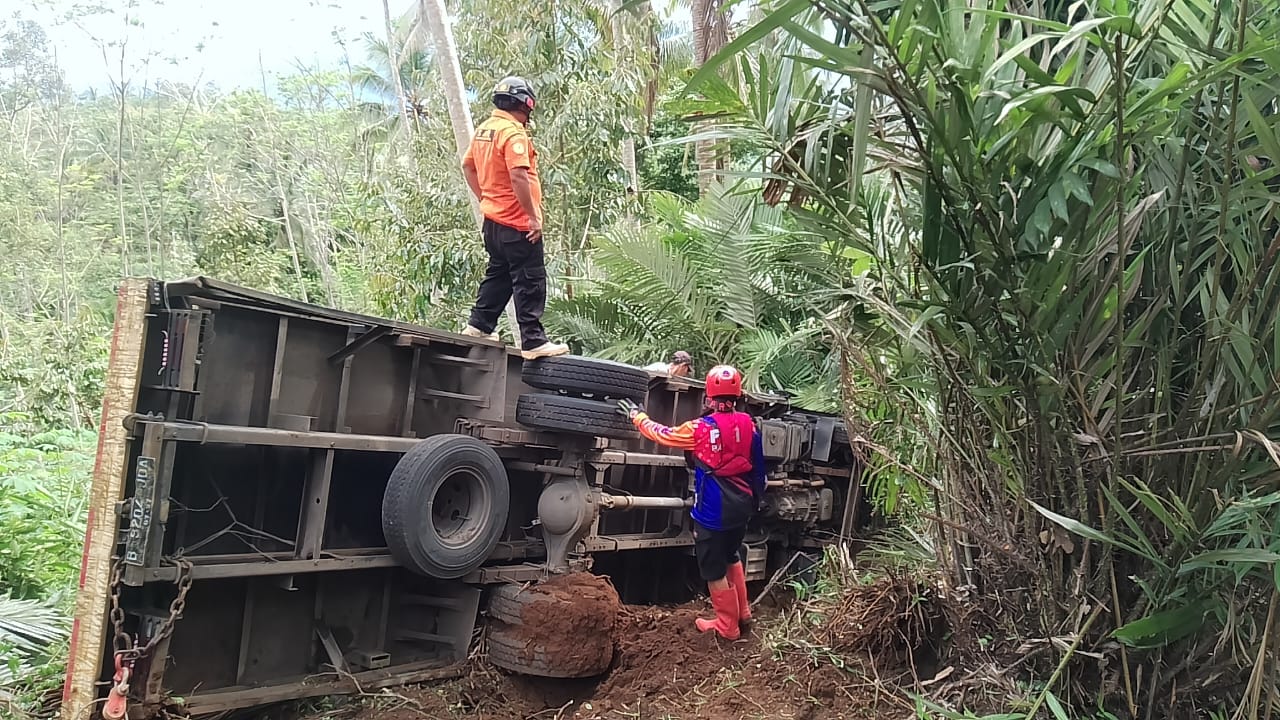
660,651
665,668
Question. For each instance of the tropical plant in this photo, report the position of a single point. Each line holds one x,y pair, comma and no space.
1081,328
397,77
719,279
28,629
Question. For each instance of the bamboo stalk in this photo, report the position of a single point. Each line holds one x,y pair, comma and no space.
1259,665
1062,664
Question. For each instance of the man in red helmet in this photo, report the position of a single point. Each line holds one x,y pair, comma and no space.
729,482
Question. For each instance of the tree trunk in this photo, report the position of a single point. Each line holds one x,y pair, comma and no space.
293,242
710,34
434,19
393,59
627,148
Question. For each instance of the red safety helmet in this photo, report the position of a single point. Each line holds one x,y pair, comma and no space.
724,381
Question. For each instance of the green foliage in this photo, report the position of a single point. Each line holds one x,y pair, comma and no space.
252,189
710,279
666,163
44,480
1074,309
431,256
668,167
32,635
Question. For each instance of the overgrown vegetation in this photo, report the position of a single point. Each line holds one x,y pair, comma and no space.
1080,331
1028,251
43,500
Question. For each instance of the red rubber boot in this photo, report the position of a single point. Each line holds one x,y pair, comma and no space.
737,578
725,603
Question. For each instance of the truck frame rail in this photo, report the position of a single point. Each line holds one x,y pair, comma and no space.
243,525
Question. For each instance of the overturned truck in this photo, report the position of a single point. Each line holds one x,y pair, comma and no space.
291,501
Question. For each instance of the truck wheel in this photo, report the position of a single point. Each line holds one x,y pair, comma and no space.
540,651
509,651
446,505
575,415
587,376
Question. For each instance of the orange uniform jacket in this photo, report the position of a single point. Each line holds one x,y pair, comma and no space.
500,145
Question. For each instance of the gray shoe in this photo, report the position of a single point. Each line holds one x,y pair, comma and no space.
475,332
546,349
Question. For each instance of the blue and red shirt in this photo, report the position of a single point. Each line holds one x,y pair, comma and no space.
721,501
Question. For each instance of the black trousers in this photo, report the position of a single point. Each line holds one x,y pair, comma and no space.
716,550
516,269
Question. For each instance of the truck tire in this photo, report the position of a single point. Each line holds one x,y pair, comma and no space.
576,415
587,376
507,603
513,647
510,652
446,506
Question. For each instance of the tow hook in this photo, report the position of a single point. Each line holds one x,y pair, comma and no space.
117,705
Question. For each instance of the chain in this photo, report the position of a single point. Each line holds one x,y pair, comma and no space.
121,640
123,644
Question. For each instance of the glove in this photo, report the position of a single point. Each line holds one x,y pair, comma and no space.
629,409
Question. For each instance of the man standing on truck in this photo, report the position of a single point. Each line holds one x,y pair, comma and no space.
729,483
501,168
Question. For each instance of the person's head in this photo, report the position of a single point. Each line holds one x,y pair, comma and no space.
724,388
514,95
681,364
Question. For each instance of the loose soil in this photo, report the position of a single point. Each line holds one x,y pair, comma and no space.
663,669
573,618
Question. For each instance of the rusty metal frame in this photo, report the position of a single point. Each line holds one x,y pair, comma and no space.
280,411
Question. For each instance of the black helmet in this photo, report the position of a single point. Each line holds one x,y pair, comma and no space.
513,93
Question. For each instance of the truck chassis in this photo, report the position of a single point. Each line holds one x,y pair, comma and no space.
270,519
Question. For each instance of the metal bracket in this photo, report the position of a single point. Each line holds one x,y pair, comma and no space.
359,344
331,648
823,433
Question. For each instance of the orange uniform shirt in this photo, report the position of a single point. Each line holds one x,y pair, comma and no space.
500,145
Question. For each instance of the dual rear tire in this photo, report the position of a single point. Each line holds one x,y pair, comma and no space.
581,396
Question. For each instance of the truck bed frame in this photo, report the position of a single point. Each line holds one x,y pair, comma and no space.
245,447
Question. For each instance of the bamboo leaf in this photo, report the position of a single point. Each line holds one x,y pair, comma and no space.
1055,707
1058,201
1216,558
1262,129
1161,628
1062,92
1080,528
1018,50
1077,187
